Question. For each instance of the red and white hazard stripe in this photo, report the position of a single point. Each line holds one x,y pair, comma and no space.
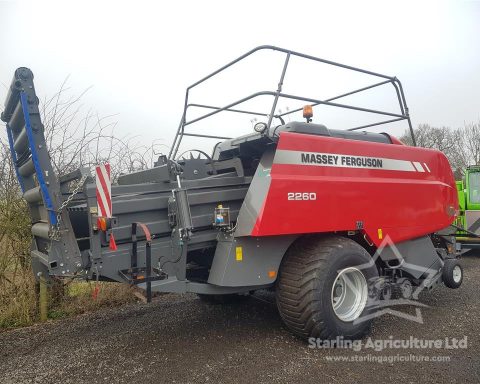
104,190
420,167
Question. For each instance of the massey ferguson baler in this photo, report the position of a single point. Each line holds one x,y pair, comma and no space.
337,222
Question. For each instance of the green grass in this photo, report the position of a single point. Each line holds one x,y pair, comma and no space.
19,301
18,297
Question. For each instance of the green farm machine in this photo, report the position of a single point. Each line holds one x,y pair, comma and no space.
468,220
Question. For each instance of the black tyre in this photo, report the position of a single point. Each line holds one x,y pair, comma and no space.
223,299
388,292
406,289
312,280
401,289
452,273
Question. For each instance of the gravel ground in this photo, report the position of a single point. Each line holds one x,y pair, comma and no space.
180,339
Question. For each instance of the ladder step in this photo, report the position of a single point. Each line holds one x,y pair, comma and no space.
17,121
41,229
21,143
42,257
33,195
138,275
27,169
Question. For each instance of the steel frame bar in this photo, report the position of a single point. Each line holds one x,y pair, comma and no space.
375,124
404,114
228,110
294,97
207,136
340,96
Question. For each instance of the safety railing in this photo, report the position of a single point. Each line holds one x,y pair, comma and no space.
278,94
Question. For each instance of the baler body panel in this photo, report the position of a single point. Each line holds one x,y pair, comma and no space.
399,191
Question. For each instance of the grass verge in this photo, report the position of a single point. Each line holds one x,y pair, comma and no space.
19,300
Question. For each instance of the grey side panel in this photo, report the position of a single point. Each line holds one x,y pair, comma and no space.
173,285
448,231
259,255
419,256
256,195
152,209
152,175
164,256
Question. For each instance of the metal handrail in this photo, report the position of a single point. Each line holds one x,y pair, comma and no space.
404,113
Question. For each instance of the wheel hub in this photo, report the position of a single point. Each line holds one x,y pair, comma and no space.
349,294
457,274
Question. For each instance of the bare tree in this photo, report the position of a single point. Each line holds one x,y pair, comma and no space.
14,221
469,147
75,138
461,146
78,138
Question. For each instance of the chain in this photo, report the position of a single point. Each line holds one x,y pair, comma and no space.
56,228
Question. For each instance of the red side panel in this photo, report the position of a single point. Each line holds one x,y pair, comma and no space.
325,184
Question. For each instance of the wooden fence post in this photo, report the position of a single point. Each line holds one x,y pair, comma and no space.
43,299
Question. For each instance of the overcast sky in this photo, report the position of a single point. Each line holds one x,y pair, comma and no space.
140,56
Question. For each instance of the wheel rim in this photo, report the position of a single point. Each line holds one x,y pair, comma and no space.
349,294
457,274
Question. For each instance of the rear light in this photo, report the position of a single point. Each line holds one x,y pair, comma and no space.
102,224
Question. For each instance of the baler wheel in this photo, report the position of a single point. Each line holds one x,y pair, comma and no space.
452,273
322,288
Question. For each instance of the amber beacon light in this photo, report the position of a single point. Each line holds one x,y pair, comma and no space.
308,113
